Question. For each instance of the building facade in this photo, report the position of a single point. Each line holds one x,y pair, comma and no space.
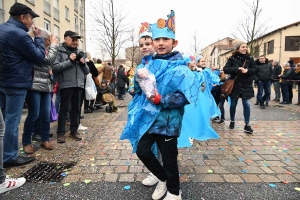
57,16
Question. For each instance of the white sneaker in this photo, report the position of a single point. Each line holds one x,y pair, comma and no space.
150,180
160,190
173,196
82,128
11,183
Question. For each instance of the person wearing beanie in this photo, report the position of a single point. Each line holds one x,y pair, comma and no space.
241,68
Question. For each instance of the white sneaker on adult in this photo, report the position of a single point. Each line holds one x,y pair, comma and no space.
150,180
11,183
160,190
82,128
170,196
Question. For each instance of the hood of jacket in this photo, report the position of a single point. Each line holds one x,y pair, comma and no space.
174,55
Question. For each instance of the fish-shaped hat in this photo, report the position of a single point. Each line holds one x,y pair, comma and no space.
145,30
164,28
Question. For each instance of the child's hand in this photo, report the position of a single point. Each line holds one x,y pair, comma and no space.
156,98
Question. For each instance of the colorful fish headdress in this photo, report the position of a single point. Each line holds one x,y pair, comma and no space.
164,28
145,30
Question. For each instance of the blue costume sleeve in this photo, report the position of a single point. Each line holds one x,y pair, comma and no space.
173,100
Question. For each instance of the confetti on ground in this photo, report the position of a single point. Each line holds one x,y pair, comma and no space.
222,149
253,150
244,171
266,165
241,159
210,171
66,184
272,185
298,189
87,181
127,187
285,182
288,172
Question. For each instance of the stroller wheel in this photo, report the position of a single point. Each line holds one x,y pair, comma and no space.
108,109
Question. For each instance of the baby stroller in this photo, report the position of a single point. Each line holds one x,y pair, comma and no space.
105,97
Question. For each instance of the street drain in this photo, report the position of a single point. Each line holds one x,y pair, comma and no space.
48,172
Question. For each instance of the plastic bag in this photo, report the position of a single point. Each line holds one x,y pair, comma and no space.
53,114
146,81
90,88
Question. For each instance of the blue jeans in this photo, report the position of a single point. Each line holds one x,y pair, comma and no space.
285,92
2,128
246,105
11,104
38,108
263,87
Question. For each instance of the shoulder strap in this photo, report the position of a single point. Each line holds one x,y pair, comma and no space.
240,72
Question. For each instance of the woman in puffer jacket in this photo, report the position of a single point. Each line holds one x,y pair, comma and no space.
38,98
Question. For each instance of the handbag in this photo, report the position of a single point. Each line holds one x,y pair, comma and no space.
53,114
228,85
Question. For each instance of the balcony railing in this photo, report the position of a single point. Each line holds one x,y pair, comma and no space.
81,11
76,5
76,28
1,16
56,13
82,32
47,7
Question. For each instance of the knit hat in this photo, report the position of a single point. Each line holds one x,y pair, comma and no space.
291,62
145,30
198,58
164,28
237,43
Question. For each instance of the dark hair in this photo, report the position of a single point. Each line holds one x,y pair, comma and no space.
146,37
18,17
99,61
235,52
262,56
109,64
120,66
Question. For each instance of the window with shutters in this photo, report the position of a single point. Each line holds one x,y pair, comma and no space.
292,43
270,47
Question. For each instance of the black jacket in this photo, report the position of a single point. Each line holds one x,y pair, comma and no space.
297,77
275,72
243,84
264,71
287,76
121,78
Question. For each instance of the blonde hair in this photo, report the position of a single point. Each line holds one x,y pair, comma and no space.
45,33
88,55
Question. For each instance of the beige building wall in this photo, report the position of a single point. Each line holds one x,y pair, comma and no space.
57,16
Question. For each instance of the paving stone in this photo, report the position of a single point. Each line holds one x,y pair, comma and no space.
186,170
268,178
121,169
92,177
141,176
270,157
215,178
123,162
211,163
278,170
188,163
71,178
271,163
287,177
111,177
231,178
102,162
199,162
231,163
135,169
294,170
184,178
250,178
203,169
252,170
106,169
126,178
267,170
297,176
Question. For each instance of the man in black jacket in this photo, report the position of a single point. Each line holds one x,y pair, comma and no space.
275,79
121,80
263,79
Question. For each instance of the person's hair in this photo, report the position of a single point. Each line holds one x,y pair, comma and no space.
262,56
146,37
88,55
298,65
121,66
276,60
107,71
45,33
236,52
18,17
99,61
109,64
286,64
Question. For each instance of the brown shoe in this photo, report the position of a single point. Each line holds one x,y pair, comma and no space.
46,145
28,149
76,136
61,139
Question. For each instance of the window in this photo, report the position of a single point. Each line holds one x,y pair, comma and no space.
76,23
56,9
56,31
56,4
30,1
76,5
270,47
67,13
81,27
46,25
292,43
47,7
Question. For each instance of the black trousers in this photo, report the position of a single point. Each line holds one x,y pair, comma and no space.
69,96
168,148
121,92
290,89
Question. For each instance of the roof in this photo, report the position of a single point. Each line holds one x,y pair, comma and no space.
278,29
218,41
226,52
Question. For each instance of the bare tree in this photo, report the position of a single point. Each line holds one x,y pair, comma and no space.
103,53
252,27
108,24
132,52
195,46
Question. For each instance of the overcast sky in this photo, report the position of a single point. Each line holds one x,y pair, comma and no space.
211,19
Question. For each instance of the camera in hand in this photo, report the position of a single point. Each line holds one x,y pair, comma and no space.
79,55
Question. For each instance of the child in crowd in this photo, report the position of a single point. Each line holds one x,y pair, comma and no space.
159,118
107,97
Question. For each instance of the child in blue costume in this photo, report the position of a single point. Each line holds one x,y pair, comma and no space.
196,119
159,119
210,80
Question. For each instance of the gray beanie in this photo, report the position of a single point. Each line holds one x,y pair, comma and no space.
237,43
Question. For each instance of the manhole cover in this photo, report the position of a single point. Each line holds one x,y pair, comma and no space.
48,172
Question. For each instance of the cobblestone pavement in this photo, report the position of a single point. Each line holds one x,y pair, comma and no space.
270,155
